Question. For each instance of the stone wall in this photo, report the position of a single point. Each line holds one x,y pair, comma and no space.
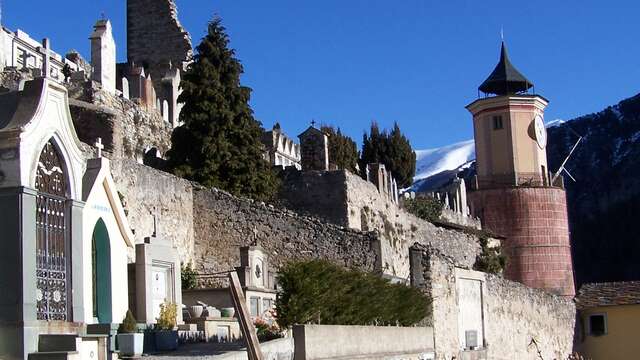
522,320
155,37
535,224
347,200
517,321
209,226
127,129
224,223
146,192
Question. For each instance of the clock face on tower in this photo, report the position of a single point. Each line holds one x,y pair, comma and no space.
540,131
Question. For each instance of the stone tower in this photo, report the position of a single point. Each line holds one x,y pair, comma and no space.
512,194
155,38
103,55
314,149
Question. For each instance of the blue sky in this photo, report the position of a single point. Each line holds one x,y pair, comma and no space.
417,62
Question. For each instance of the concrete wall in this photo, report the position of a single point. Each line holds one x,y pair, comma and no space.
534,222
279,349
370,342
347,200
621,339
517,321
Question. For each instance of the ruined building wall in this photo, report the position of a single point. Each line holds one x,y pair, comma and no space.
347,200
517,321
155,36
127,130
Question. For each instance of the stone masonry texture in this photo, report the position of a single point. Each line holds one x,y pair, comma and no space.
224,223
518,321
155,37
345,199
208,226
534,222
126,129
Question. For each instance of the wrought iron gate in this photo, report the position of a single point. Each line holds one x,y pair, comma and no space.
52,247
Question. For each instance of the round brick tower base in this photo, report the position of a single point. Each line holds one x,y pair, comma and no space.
534,222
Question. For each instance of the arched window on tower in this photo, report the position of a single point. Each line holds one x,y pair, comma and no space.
52,237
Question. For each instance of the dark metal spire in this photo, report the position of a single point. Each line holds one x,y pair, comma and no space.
505,78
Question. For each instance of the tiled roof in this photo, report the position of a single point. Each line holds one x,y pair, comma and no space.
607,294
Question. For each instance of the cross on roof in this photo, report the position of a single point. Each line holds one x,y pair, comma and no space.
99,146
45,50
313,122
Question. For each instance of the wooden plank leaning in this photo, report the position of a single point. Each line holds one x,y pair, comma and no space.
244,318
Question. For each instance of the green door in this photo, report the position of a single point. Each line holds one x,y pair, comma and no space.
101,264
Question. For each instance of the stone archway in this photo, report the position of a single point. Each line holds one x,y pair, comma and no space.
101,273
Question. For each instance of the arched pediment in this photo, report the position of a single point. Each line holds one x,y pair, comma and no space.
38,114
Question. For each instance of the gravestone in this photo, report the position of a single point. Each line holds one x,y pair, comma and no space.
165,110
103,55
125,88
171,91
157,278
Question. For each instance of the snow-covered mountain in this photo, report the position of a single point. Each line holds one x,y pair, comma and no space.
433,161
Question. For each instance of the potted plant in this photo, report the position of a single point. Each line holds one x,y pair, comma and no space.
165,333
130,342
228,312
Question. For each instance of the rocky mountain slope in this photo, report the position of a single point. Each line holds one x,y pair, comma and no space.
603,202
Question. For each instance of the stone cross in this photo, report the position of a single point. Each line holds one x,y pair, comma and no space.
25,58
99,146
313,122
45,50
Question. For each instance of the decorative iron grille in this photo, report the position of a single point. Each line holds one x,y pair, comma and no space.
52,248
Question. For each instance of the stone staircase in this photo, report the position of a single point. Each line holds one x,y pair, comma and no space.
71,347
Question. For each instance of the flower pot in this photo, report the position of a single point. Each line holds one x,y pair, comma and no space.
166,340
228,312
130,344
196,311
213,312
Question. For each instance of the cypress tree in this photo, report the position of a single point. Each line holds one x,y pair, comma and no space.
391,149
343,151
219,143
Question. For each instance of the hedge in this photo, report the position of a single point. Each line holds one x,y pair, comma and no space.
318,292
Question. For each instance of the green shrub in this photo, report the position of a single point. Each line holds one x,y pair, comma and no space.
424,207
490,260
129,324
168,316
319,292
188,277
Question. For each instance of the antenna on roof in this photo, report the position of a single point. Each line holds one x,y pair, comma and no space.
562,168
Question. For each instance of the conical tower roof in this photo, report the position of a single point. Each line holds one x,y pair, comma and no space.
505,78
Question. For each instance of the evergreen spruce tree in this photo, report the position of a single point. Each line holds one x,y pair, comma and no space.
391,149
343,151
219,143
402,158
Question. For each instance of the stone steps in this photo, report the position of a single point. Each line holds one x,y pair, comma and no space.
55,355
70,347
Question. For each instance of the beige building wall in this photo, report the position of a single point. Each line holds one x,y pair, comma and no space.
621,338
511,150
